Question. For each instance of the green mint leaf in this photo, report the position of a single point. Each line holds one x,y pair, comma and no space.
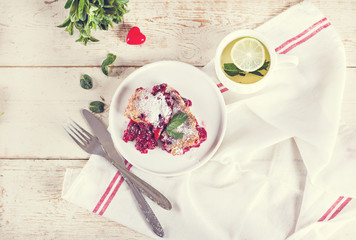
97,107
86,82
110,58
1,114
69,28
257,73
177,120
85,41
73,13
231,70
68,4
93,39
80,39
82,14
175,134
123,1
264,67
65,23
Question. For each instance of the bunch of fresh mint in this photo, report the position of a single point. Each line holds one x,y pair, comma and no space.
86,15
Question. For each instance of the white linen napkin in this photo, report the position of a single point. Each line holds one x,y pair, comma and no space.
284,169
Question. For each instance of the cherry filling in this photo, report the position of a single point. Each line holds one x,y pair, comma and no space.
187,102
142,133
202,134
202,137
146,135
159,88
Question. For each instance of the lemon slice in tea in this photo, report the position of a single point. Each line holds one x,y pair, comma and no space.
248,54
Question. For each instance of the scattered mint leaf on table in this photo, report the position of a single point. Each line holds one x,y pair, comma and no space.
86,82
97,107
177,120
110,58
87,15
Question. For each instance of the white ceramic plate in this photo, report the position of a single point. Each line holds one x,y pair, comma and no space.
208,107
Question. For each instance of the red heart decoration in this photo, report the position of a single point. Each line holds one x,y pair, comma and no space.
135,37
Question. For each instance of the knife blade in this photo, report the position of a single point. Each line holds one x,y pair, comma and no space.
117,160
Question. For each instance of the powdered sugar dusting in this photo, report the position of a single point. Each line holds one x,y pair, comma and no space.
187,129
154,107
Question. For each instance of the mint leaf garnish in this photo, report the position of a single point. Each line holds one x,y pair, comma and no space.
175,134
177,120
231,69
264,67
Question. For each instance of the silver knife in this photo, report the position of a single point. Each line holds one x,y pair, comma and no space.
117,160
105,139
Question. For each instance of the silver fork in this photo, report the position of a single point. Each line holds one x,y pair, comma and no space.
91,145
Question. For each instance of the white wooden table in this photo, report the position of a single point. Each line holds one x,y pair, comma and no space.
40,68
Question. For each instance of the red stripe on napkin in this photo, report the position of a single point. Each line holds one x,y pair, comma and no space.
112,195
330,209
108,189
340,208
224,90
300,35
306,38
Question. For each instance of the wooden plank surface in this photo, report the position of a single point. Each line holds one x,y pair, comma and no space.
31,206
29,37
37,102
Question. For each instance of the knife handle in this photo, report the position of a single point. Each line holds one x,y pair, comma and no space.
145,188
146,210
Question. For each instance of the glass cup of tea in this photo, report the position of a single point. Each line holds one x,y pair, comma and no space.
245,61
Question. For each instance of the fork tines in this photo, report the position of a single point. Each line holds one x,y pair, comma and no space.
77,133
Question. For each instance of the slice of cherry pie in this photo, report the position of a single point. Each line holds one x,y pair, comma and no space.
150,112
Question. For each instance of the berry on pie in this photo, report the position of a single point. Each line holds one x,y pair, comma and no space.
151,111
